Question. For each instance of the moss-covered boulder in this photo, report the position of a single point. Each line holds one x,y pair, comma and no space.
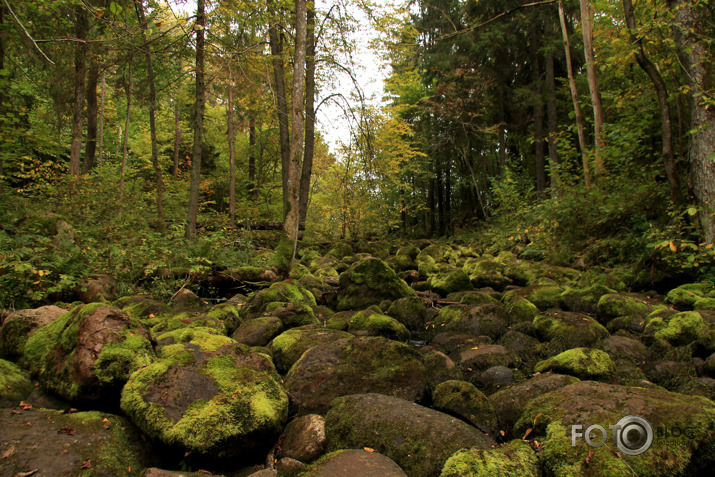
510,403
353,366
584,363
199,339
586,403
679,329
440,252
292,315
88,352
15,384
227,313
171,322
464,400
369,282
354,463
515,459
544,297
519,308
221,403
613,305
140,307
450,281
526,347
19,325
584,299
369,323
419,439
288,291
568,330
685,296
258,331
410,311
441,368
289,346
87,444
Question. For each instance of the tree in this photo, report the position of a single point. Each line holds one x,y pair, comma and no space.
80,68
598,114
199,109
692,26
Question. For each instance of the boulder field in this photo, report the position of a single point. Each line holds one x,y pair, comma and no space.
381,359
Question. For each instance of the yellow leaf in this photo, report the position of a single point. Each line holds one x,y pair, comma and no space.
673,247
368,449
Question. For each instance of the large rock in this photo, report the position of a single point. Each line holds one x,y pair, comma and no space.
304,438
288,291
687,449
516,459
88,352
353,366
220,403
55,444
19,325
258,331
354,463
510,403
568,330
419,439
369,282
290,345
584,363
462,399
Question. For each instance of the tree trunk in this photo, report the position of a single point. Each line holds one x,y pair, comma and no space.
599,116
139,7
289,241
90,146
102,98
552,114
662,93
538,116
125,140
252,186
2,67
80,69
693,21
231,152
502,124
200,106
276,45
574,97
307,169
177,136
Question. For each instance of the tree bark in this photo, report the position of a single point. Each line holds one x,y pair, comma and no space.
574,97
599,116
2,67
90,146
662,92
553,120
231,152
538,116
80,69
309,151
276,44
200,106
102,99
291,224
177,136
252,185
125,140
139,7
692,22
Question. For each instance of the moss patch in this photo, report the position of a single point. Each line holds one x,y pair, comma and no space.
515,459
584,363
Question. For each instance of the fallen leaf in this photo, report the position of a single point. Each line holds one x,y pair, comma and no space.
105,426
537,417
26,474
526,434
66,430
65,452
476,347
28,423
8,452
590,456
70,410
502,433
368,449
105,420
24,406
15,412
86,464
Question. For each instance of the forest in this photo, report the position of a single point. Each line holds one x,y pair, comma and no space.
200,193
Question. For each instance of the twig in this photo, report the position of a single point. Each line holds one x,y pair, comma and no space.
17,20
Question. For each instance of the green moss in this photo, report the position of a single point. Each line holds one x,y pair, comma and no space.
682,328
614,305
205,339
569,330
685,296
15,384
118,360
463,399
427,266
282,292
369,282
584,363
519,308
13,337
228,313
373,324
705,304
450,282
515,459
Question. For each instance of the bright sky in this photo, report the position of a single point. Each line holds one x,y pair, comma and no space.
332,122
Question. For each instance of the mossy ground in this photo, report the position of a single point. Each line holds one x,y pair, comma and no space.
515,459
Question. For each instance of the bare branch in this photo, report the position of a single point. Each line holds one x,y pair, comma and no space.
17,20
